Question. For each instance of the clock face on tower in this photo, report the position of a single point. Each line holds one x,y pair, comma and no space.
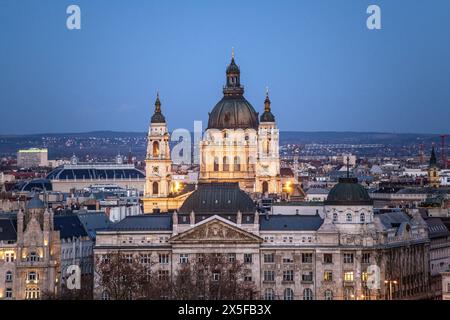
155,169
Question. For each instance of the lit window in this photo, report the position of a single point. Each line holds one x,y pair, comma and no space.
328,276
348,276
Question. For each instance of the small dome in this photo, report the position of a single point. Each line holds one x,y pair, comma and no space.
348,192
233,67
35,203
267,116
233,113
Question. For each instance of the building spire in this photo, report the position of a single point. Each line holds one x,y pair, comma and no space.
157,103
433,160
232,53
267,101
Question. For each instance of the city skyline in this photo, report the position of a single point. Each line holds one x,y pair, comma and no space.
325,70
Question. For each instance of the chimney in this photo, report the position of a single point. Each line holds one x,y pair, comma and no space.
192,218
239,218
175,222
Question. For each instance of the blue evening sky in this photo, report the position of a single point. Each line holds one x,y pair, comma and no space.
326,71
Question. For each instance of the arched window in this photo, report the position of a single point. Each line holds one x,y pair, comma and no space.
216,164
226,164
288,294
307,294
362,217
269,294
349,217
155,149
237,164
335,217
328,295
265,187
155,188
33,257
9,276
106,295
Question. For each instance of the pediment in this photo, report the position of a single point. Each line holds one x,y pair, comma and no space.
216,230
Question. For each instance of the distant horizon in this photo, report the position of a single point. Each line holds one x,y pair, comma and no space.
145,132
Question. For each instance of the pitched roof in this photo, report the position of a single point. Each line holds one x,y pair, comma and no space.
7,229
147,222
69,226
290,222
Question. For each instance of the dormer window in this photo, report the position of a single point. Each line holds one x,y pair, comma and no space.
349,217
362,217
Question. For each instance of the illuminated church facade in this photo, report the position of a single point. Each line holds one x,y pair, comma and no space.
238,145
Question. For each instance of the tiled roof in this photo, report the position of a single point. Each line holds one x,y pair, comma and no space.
148,222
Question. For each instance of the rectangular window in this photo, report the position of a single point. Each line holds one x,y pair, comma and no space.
184,258
364,276
216,276
144,258
128,258
307,276
327,258
231,257
269,258
328,276
348,276
348,257
269,275
288,275
366,258
288,260
163,274
248,278
8,293
163,258
248,257
307,257
9,257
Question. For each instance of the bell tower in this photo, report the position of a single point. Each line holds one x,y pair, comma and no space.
158,162
268,163
433,170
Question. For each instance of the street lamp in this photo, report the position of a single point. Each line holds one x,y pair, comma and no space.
390,282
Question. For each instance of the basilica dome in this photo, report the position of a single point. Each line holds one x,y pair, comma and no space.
233,111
